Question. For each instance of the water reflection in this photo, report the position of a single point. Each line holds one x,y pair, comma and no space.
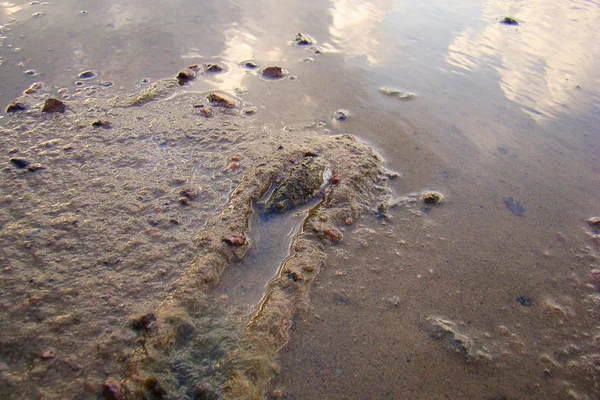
356,28
545,63
9,8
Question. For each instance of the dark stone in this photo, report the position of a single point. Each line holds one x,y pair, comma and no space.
303,40
20,163
14,107
188,74
53,106
525,301
509,21
111,390
99,123
142,323
293,276
153,389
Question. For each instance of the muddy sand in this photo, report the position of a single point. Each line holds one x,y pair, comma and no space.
111,247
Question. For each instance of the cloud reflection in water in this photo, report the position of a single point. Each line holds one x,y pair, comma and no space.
544,63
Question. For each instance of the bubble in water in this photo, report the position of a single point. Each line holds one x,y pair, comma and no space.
16,50
106,84
38,14
30,72
79,84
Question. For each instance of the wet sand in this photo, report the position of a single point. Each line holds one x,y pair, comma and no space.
490,294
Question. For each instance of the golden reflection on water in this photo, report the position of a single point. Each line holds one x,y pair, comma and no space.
546,62
10,8
356,28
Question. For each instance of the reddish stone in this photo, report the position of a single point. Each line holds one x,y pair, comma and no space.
335,179
232,165
333,235
222,100
272,72
235,239
49,354
188,74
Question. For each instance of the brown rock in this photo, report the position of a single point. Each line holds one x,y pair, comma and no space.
272,72
234,239
222,100
207,111
188,74
53,106
111,390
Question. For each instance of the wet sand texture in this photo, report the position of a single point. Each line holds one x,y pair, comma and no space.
174,326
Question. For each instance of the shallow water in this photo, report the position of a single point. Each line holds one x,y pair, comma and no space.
503,123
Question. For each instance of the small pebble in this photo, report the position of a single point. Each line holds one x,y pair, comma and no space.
222,100
48,354
509,21
340,115
273,72
432,197
234,239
